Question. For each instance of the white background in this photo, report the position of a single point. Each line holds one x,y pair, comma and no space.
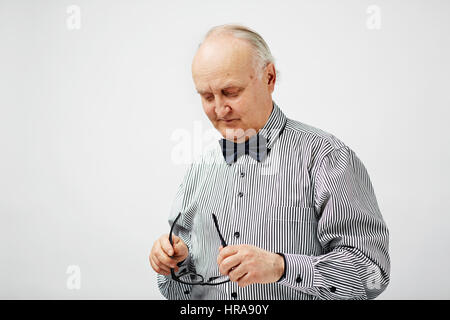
87,171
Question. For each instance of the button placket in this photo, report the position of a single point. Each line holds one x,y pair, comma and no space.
240,183
241,196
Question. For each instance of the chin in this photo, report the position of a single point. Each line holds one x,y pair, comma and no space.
233,136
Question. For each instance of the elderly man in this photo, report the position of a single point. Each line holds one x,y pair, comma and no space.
277,209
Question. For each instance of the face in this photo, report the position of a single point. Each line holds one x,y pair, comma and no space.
236,101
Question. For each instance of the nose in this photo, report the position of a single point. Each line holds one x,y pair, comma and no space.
222,108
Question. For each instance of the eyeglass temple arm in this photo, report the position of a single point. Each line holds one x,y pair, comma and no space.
171,228
224,244
171,242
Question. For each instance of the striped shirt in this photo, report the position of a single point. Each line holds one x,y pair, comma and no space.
310,199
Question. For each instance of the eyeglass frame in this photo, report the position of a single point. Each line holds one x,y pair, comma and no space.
202,282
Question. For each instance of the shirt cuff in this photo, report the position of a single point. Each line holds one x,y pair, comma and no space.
284,271
299,271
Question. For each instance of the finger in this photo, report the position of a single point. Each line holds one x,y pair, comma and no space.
244,281
164,259
175,239
225,252
180,249
160,265
157,251
237,273
166,246
229,263
159,269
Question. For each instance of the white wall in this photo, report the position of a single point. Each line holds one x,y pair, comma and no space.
87,175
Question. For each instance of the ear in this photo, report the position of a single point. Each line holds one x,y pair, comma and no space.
271,77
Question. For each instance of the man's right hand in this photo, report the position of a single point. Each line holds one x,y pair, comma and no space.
163,256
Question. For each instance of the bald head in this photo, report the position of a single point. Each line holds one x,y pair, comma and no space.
223,53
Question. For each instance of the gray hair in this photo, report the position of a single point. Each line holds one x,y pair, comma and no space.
263,55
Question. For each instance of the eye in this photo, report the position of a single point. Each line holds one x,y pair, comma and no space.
208,98
232,94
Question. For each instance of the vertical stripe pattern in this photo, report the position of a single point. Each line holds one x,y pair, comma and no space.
311,199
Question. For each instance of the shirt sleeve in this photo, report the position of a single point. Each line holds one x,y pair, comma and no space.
171,289
351,230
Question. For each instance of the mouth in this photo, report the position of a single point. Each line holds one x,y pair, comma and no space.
229,121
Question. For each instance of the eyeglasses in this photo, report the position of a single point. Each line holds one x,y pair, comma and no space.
192,278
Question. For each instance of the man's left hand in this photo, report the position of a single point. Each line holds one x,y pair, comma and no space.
247,264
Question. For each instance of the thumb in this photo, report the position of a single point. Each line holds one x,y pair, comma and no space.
178,246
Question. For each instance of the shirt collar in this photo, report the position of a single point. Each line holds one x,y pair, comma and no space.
274,126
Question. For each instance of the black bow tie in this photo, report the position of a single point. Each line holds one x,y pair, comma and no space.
255,146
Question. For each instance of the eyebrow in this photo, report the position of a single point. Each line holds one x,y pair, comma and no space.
228,87
201,91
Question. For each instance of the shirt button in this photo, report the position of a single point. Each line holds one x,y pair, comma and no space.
234,295
242,174
240,194
299,279
237,234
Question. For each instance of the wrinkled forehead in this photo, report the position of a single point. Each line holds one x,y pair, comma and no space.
230,60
